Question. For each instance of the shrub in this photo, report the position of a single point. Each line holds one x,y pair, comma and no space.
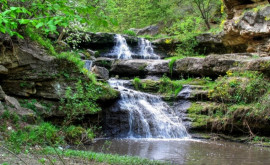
80,101
137,83
239,87
129,32
44,134
78,135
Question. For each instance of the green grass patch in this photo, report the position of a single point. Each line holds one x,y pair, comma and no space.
100,157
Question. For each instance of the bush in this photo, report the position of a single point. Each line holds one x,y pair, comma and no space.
137,83
80,101
129,32
239,87
78,135
44,134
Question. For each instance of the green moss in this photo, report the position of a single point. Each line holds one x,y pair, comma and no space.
195,113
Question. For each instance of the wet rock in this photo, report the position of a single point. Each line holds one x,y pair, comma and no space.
101,72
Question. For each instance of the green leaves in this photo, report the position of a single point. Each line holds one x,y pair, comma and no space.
43,15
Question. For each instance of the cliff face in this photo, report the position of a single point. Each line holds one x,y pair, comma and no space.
235,8
28,72
248,24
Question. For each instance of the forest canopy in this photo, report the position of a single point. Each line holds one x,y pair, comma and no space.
108,15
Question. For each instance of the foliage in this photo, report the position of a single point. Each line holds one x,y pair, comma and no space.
78,135
137,83
237,87
129,32
80,101
44,15
44,134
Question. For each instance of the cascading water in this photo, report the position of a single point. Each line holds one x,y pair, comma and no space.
146,49
142,115
121,48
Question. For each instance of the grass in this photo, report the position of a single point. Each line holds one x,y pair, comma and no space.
100,157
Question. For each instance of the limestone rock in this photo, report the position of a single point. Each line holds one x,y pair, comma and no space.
158,67
93,53
250,28
216,65
104,62
149,30
3,70
15,107
101,72
235,7
192,66
212,66
129,67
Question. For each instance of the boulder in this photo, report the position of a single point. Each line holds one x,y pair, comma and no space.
158,67
140,67
3,70
215,65
101,72
149,30
190,66
15,107
129,67
92,53
82,56
104,62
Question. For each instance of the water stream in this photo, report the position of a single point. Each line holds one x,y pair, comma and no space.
146,115
186,151
144,125
121,50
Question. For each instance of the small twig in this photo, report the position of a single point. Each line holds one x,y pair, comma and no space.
59,156
251,133
13,154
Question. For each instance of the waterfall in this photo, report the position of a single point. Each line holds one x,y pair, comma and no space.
88,64
146,49
121,48
142,115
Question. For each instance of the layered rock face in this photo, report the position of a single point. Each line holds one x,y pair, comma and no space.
248,25
212,66
28,72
